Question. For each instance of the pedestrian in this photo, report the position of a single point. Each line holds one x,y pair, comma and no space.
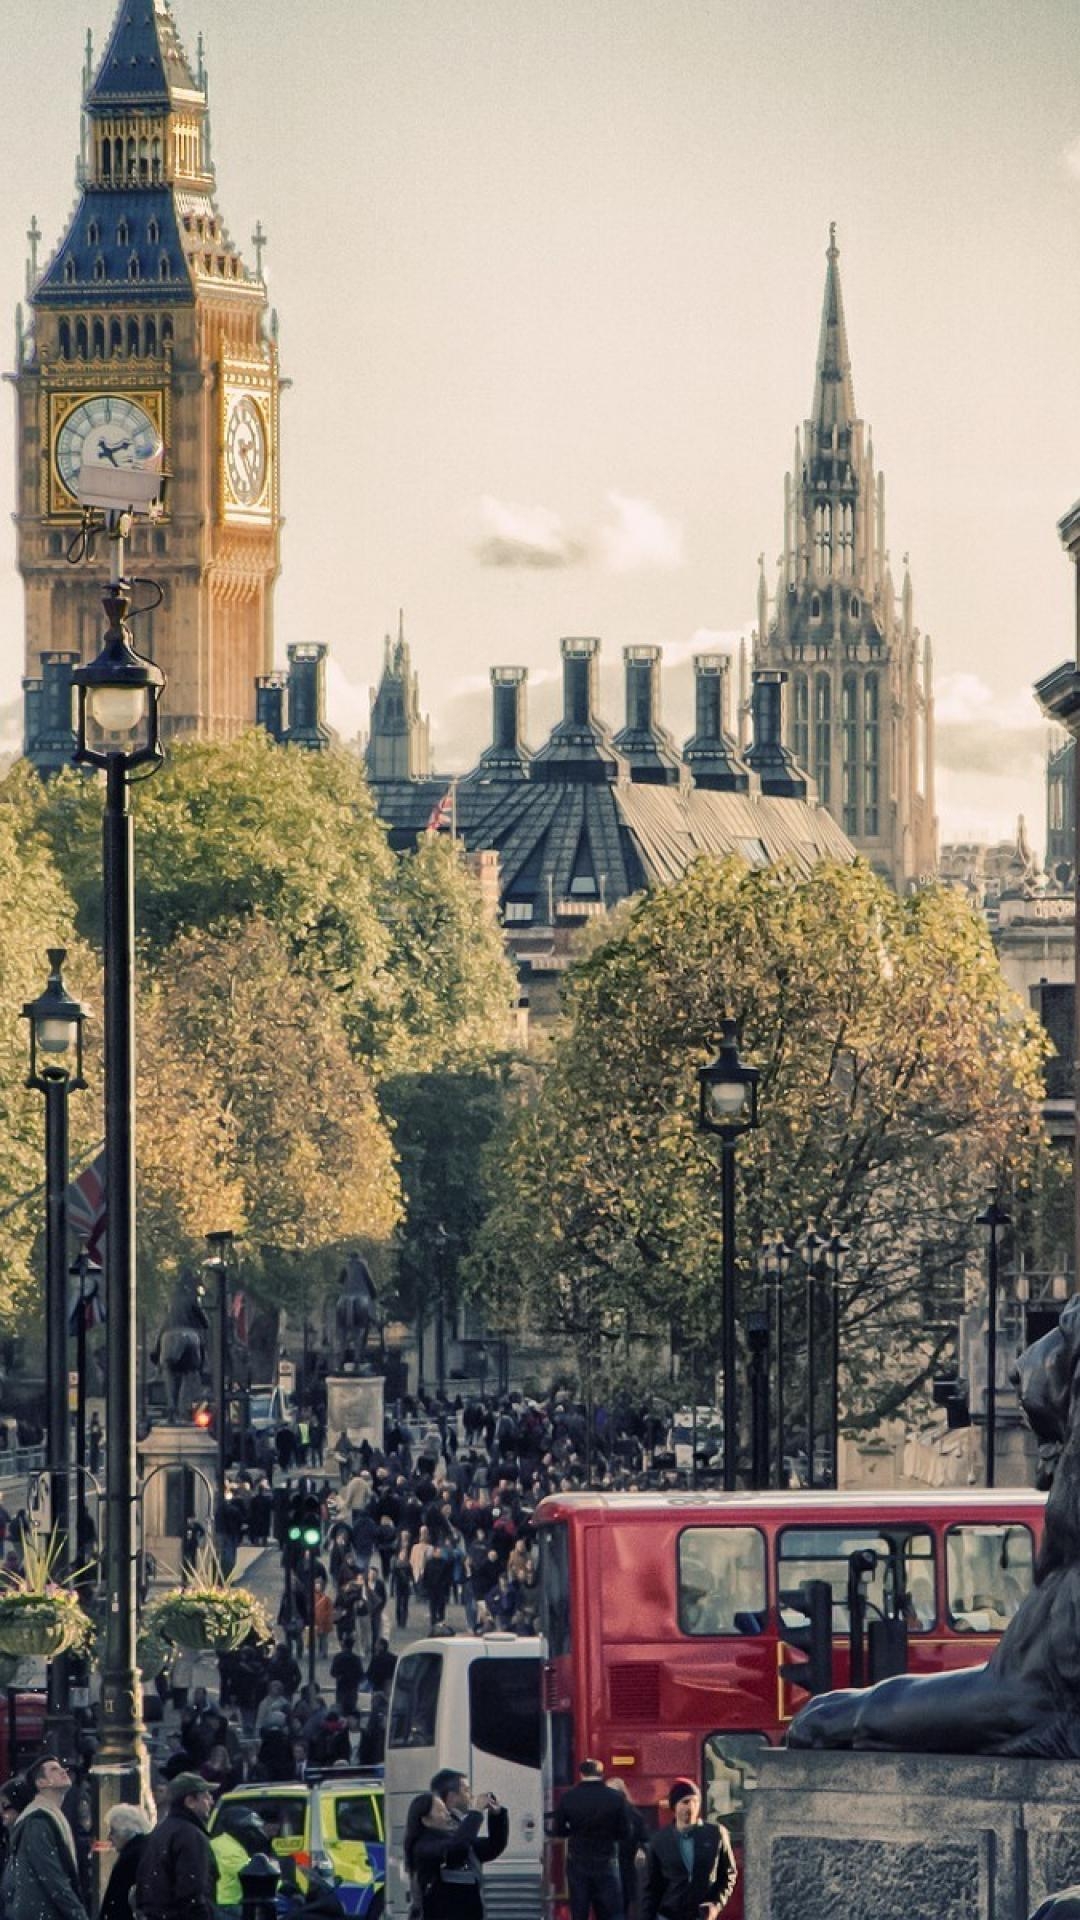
435,1581
401,1582
177,1873
42,1875
126,1832
690,1869
346,1671
595,1822
629,1848
324,1617
444,1853
239,1837
375,1595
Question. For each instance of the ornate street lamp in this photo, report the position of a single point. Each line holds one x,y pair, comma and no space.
119,730
836,1253
219,1248
728,1091
774,1263
56,1061
995,1220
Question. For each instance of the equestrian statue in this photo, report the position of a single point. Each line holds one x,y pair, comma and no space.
180,1348
358,1315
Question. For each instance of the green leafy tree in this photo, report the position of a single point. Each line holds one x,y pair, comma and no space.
900,1077
455,987
253,1112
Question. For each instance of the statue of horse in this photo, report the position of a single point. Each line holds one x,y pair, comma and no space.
1026,1699
180,1348
358,1311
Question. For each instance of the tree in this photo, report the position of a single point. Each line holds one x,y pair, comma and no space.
899,1078
455,987
38,913
253,1112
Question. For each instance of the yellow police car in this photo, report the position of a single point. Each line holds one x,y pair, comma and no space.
331,1824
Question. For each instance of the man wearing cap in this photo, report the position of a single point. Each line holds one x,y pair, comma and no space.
595,1821
43,1871
689,1867
177,1873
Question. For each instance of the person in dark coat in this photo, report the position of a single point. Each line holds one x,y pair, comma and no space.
127,1831
444,1853
595,1822
689,1867
177,1874
44,1870
629,1848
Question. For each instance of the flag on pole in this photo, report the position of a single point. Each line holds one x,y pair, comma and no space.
239,1312
441,817
86,1208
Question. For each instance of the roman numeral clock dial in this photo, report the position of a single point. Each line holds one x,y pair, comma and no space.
246,451
106,430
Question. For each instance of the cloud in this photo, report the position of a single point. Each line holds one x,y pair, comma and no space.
637,536
1070,158
980,731
532,537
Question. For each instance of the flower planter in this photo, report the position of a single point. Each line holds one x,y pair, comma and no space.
210,1624
37,1626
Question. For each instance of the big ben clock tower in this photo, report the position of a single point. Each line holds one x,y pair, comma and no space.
146,321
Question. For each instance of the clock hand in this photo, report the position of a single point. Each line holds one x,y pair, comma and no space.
109,453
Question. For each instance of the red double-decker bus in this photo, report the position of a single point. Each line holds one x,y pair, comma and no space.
663,1628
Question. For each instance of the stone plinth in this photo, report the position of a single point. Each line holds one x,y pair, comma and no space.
886,1836
173,1491
354,1405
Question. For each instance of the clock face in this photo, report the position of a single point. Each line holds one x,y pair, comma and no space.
107,430
245,451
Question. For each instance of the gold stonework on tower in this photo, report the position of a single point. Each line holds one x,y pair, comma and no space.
147,313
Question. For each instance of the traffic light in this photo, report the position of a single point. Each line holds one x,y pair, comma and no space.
815,1602
305,1521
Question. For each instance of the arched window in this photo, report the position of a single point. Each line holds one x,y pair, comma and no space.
151,339
163,268
144,161
106,161
849,735
99,267
133,339
133,266
153,232
155,158
69,270
871,755
99,339
65,340
166,332
823,537
815,607
81,341
132,159
123,234
93,234
854,606
116,337
800,737
823,737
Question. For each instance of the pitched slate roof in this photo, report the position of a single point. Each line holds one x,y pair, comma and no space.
144,63
96,259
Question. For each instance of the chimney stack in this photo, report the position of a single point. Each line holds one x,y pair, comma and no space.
580,746
775,764
649,748
711,753
271,704
507,758
307,697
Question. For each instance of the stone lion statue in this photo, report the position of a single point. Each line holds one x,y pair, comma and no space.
1026,1699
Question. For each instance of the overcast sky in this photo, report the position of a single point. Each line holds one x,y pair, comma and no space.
549,275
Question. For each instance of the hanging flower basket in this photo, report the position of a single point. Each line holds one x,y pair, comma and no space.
209,1614
37,1614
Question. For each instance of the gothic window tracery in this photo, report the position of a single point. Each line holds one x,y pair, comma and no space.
849,730
81,341
823,538
99,339
871,753
65,340
823,736
800,739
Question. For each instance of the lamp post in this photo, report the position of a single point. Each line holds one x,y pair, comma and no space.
836,1253
810,1247
118,730
774,1262
728,1095
56,1026
219,1247
994,1219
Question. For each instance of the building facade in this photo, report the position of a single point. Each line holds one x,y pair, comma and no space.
144,324
860,716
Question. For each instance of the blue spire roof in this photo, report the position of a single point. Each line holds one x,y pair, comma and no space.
122,245
144,63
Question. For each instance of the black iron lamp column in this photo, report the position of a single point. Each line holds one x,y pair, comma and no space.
219,1247
995,1220
118,730
56,1027
836,1253
774,1261
810,1251
728,1090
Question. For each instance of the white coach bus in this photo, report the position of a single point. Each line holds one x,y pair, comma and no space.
470,1702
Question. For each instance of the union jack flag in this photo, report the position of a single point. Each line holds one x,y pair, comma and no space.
441,818
86,1209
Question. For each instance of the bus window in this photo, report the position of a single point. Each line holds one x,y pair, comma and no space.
555,1590
988,1570
416,1700
729,1769
504,1709
821,1553
722,1580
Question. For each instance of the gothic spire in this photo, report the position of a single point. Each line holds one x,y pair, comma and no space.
834,394
144,63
